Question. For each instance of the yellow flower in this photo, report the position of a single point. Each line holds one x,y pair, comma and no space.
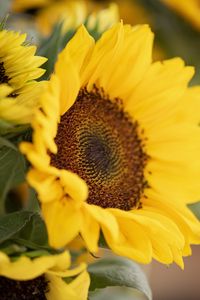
42,277
18,68
107,153
190,10
73,14
18,63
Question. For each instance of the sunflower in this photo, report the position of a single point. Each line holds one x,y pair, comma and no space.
73,14
19,67
190,10
108,154
18,63
41,278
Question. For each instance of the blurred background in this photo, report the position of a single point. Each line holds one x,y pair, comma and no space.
174,284
176,24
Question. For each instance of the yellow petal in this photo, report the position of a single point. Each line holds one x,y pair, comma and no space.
90,230
81,285
160,90
57,271
47,185
106,220
181,215
59,290
74,186
25,269
133,241
63,221
69,64
120,43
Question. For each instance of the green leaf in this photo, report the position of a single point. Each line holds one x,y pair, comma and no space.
50,48
117,271
36,253
102,242
12,170
7,143
11,224
24,228
195,208
33,203
9,130
34,234
12,249
117,293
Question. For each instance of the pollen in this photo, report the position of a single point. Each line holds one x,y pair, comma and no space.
98,141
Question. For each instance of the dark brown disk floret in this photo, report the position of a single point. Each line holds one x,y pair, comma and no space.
3,77
100,142
34,289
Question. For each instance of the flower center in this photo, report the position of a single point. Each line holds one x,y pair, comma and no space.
3,77
34,289
97,140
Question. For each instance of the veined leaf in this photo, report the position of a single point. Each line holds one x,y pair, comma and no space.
23,228
12,170
118,271
34,234
9,130
50,48
117,293
11,224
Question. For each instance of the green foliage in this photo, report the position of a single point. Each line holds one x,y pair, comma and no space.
9,130
33,203
23,231
13,223
195,208
33,234
50,48
117,293
117,272
12,169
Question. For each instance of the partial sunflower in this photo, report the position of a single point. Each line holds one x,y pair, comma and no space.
190,10
19,67
107,153
73,14
18,63
42,278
